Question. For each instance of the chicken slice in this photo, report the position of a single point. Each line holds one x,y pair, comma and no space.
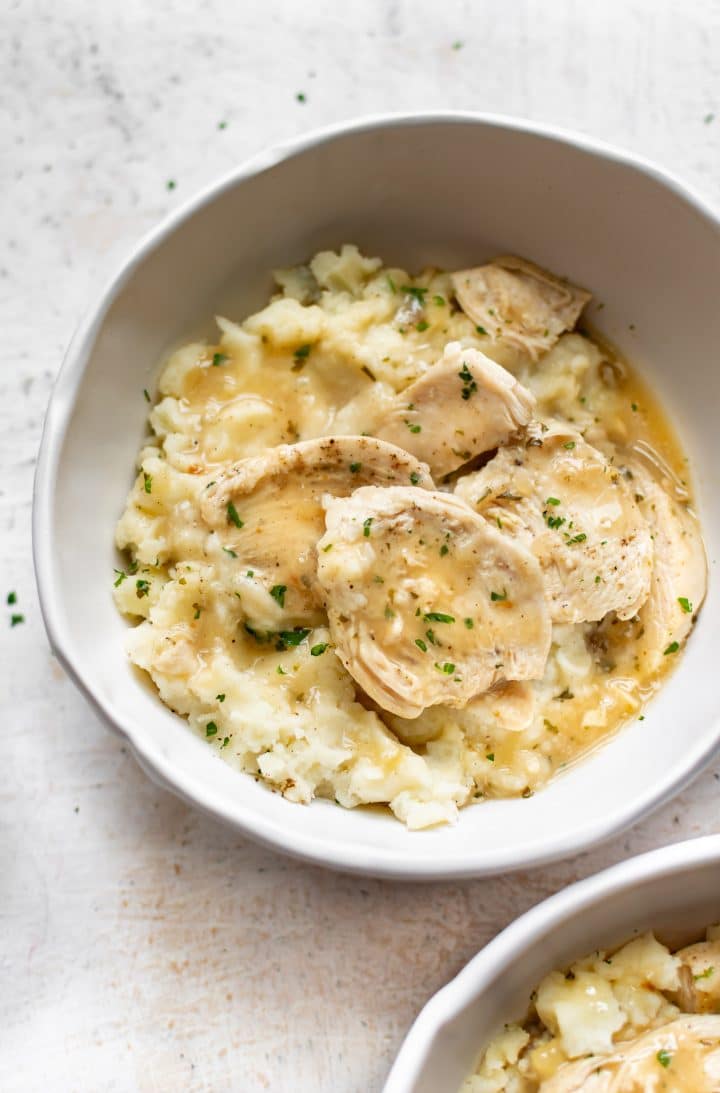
682,1056
267,511
463,405
700,977
562,500
679,578
427,603
518,303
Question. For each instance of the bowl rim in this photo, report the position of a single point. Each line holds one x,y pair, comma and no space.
325,850
529,929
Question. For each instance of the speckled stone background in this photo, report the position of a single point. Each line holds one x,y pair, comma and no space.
142,947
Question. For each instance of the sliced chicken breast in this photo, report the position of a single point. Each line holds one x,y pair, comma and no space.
700,977
268,512
679,579
463,405
519,304
427,603
562,500
680,1057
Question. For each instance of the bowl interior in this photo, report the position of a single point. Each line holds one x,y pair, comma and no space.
447,192
492,991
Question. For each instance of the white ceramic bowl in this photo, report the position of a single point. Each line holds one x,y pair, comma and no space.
448,189
674,891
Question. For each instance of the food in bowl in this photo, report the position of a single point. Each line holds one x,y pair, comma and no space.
411,541
634,1020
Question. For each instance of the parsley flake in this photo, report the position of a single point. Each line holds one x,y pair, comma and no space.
421,645
498,597
664,1057
146,393
469,623
12,596
211,729
302,352
469,384
414,478
416,291
413,427
319,649
355,467
438,616
367,524
553,501
278,593
444,550
230,552
481,330
147,479
422,326
15,620
233,517
569,444
685,604
672,648
142,588
288,639
219,358
220,698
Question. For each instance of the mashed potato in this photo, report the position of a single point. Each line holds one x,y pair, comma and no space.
634,1020
329,356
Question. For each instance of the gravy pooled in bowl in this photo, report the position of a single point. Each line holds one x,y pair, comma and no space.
637,1020
408,541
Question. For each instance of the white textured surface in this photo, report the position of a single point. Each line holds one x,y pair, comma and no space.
142,946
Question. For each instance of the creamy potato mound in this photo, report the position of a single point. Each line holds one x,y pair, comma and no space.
453,648
641,1019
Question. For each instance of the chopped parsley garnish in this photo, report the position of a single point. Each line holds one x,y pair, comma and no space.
147,479
422,326
553,501
421,645
391,284
579,538
469,384
457,45
232,516
554,521
685,604
430,635
438,616
325,549
141,588
414,478
278,593
302,352
12,596
290,638
672,648
469,623
704,974
498,597
15,620
444,550
220,698
355,467
439,301
222,125
367,524
598,578
490,756
250,573
481,330
171,184
664,1057
415,291
569,444
447,668
219,358
413,427
319,649
230,552
280,670
225,742
301,96
198,610
211,729
146,393
121,575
